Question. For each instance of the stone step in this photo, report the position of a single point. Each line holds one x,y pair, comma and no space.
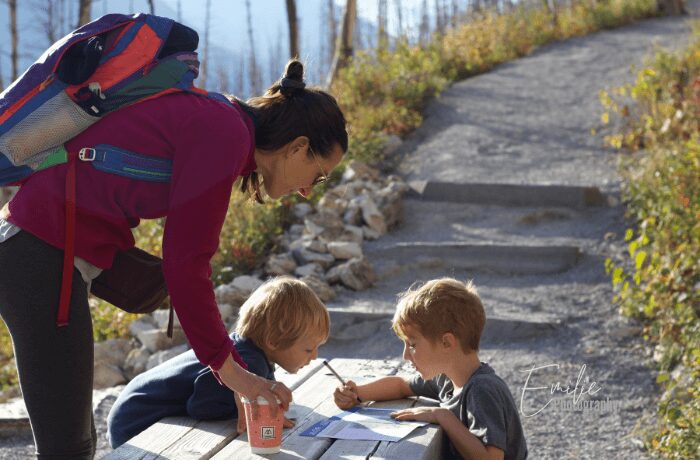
351,326
499,258
480,224
509,194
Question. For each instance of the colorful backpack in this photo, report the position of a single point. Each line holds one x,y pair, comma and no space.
112,62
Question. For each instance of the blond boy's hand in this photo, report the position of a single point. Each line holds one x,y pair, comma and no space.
345,397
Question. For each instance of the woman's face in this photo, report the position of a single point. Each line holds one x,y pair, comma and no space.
299,169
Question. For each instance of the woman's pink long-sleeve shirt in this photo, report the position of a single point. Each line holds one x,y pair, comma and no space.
210,144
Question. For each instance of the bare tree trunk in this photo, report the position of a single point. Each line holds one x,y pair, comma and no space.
552,8
333,35
179,10
239,84
223,83
399,19
424,27
293,29
382,36
253,69
84,12
48,22
343,47
152,6
205,51
13,33
672,7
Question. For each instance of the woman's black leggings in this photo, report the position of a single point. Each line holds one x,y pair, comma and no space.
55,364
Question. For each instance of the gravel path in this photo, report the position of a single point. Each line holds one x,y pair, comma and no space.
526,122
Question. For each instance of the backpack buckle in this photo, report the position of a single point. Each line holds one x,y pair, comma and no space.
87,154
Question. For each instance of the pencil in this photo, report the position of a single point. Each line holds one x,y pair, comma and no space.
325,363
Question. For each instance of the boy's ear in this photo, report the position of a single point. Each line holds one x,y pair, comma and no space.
269,345
449,341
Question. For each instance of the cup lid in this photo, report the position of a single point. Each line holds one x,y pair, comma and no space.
260,400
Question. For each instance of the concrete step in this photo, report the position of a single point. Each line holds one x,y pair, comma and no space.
509,194
499,258
352,326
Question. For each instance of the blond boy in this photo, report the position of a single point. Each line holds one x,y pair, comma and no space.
440,324
282,323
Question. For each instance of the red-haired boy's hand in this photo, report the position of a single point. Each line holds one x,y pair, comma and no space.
345,397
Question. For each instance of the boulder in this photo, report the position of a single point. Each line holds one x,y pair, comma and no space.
162,356
246,284
320,287
357,274
345,249
280,264
135,362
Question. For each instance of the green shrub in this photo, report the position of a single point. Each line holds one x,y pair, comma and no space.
661,285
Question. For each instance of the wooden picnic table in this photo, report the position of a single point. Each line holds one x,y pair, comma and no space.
183,438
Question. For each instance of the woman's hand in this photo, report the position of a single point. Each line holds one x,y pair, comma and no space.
241,426
251,386
345,397
422,414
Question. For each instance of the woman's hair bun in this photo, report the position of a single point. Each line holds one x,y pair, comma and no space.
293,80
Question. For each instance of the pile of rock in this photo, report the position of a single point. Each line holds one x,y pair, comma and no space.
323,248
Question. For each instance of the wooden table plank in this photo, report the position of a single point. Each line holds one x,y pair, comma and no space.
313,402
203,441
426,439
351,449
162,438
148,444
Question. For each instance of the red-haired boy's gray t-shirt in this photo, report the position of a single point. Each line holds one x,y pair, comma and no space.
485,406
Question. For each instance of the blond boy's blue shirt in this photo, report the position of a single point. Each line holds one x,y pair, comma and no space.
485,406
179,386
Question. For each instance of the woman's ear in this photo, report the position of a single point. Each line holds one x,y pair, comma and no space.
298,145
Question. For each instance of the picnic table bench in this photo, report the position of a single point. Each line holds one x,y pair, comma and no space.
183,438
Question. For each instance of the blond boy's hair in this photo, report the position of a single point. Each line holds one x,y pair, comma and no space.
441,306
280,312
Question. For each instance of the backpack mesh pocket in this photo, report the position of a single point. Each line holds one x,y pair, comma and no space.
56,121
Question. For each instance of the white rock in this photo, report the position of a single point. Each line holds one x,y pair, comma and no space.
302,209
344,249
154,340
135,362
353,214
280,264
229,294
320,287
163,356
308,269
246,284
357,274
296,229
353,234
359,170
305,256
107,375
370,234
112,351
371,214
391,143
142,323
226,310
312,229
162,316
